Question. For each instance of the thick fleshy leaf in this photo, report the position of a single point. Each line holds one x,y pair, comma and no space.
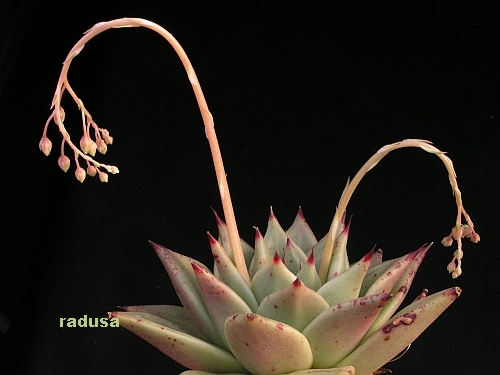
318,252
181,274
275,236
174,314
189,351
300,232
226,244
375,271
338,330
271,278
221,301
262,255
346,286
319,247
265,346
229,275
293,257
295,305
377,258
339,262
387,279
409,274
400,289
399,332
347,370
308,274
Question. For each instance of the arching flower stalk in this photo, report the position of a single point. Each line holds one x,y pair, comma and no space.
291,304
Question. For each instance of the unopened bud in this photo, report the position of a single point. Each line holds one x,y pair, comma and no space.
103,177
457,272
92,148
80,174
466,231
447,241
85,144
458,254
45,145
101,146
91,170
63,162
475,237
107,138
451,266
113,170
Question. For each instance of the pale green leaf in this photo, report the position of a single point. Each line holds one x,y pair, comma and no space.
175,314
220,300
262,255
400,289
388,341
339,261
308,274
293,257
229,275
189,351
265,346
275,236
295,305
271,278
346,286
339,329
300,232
226,244
181,274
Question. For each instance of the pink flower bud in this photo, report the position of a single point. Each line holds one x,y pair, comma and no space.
101,146
458,254
63,162
447,241
107,138
457,272
91,170
85,144
467,231
92,148
103,177
113,170
451,267
475,237
45,145
80,174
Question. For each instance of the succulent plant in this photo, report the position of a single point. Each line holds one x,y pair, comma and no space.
291,304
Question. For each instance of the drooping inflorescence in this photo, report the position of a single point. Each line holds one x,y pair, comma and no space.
291,304
89,146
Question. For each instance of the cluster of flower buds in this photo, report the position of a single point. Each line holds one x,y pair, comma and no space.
87,146
466,231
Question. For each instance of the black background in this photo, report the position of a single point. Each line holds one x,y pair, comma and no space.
302,96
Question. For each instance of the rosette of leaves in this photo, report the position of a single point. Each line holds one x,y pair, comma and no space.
287,321
291,304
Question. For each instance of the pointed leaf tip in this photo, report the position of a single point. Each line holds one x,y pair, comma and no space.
218,220
300,214
211,239
310,259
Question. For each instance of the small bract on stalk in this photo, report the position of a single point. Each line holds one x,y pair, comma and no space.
292,304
